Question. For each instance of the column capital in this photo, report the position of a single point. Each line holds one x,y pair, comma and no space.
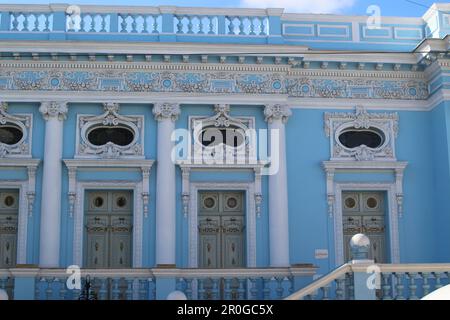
54,109
166,111
274,112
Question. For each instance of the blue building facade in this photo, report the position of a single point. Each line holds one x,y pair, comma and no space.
111,156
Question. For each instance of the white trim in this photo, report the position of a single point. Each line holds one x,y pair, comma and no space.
259,100
129,47
356,37
22,223
250,218
336,26
292,17
301,25
365,36
81,187
446,20
390,188
406,29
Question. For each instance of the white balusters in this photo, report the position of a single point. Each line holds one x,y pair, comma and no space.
227,289
386,286
340,285
247,26
31,22
49,289
412,285
115,288
425,283
241,289
399,286
192,24
139,23
88,22
103,291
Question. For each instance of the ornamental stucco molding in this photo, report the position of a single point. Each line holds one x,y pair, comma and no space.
110,118
22,148
54,110
274,112
166,111
335,123
213,81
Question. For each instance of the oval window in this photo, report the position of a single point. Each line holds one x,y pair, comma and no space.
213,136
353,138
10,135
120,136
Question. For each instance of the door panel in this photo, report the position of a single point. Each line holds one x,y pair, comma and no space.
109,229
9,209
221,230
209,232
233,242
364,212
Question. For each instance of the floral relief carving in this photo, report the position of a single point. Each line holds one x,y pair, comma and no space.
320,85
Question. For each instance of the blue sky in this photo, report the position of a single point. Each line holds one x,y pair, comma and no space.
412,8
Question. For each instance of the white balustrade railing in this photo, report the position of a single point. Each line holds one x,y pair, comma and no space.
337,284
138,20
395,281
7,282
240,284
107,284
140,284
31,21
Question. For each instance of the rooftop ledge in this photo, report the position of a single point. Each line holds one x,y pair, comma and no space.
205,25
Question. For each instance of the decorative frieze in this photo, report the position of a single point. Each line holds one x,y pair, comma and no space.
295,84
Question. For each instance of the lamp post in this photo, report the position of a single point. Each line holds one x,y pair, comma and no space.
87,293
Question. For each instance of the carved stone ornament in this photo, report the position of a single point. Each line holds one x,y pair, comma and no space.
110,119
222,120
23,123
164,111
384,124
54,109
274,112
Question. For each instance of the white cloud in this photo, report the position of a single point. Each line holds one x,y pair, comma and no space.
302,6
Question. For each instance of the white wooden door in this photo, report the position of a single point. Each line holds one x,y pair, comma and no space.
364,212
108,229
9,209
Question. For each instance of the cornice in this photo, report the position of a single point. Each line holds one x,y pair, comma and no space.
92,163
182,67
19,162
364,165
356,74
161,66
131,47
145,9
